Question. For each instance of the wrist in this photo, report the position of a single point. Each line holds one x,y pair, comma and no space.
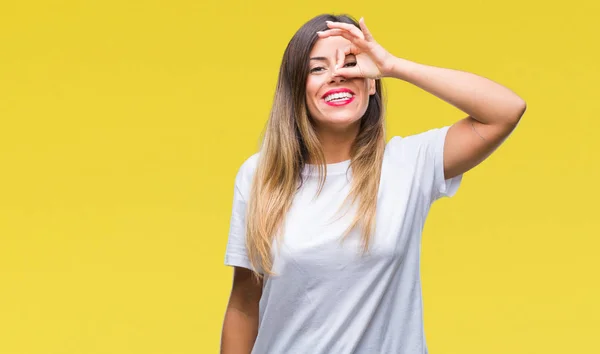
400,68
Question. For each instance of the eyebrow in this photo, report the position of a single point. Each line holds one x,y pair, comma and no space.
319,58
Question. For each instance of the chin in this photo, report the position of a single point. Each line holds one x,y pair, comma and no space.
338,121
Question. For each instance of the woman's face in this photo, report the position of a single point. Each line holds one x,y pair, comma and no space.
335,102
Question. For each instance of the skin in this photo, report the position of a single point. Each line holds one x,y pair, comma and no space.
337,126
240,326
493,110
493,113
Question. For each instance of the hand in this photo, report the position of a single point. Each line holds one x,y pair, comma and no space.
373,61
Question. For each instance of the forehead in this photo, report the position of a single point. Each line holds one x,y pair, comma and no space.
326,47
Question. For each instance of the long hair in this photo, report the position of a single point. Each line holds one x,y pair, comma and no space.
290,140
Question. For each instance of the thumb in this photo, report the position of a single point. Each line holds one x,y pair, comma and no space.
348,73
340,60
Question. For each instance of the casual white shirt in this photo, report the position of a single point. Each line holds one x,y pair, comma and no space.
327,298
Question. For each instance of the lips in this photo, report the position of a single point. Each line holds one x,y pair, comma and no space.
338,90
344,96
337,103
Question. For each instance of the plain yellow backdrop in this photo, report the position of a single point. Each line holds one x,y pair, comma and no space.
123,124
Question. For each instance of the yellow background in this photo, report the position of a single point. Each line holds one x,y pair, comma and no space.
123,124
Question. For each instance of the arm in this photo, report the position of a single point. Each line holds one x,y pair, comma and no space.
493,110
240,325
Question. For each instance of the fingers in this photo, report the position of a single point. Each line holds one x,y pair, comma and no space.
349,73
340,70
340,59
346,26
364,29
336,32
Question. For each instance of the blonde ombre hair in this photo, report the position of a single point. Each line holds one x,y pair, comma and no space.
290,140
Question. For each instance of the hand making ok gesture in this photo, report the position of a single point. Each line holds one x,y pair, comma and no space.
373,61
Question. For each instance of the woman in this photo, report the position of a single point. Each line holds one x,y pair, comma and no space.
327,218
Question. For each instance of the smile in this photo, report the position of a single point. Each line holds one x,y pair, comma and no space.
342,101
338,97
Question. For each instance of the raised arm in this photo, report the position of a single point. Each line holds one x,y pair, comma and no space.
493,111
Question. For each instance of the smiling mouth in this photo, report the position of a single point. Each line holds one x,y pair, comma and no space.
338,97
340,101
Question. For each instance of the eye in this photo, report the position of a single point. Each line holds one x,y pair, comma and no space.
316,69
350,64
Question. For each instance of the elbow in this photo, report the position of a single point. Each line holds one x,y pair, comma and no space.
522,106
519,110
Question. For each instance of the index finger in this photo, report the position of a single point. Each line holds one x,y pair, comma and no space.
348,27
341,56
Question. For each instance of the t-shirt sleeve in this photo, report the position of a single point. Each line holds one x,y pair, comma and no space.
236,252
427,149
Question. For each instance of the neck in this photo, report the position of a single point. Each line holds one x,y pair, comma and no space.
337,143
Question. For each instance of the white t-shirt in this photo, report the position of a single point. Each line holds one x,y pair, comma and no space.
327,297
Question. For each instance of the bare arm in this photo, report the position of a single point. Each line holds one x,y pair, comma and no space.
493,111
240,325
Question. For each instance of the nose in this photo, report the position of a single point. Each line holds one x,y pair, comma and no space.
336,79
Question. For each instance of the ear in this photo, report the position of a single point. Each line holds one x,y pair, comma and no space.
372,87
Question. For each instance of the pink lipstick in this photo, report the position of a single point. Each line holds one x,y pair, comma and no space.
338,97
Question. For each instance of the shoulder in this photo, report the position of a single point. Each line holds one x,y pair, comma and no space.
249,165
411,141
245,174
411,145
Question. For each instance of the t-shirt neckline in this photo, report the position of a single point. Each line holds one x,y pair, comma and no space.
336,168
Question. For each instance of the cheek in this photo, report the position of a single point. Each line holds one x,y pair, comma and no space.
367,94
311,88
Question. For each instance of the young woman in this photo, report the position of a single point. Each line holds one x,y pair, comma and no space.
327,217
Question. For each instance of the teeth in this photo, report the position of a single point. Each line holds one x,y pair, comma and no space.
336,96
